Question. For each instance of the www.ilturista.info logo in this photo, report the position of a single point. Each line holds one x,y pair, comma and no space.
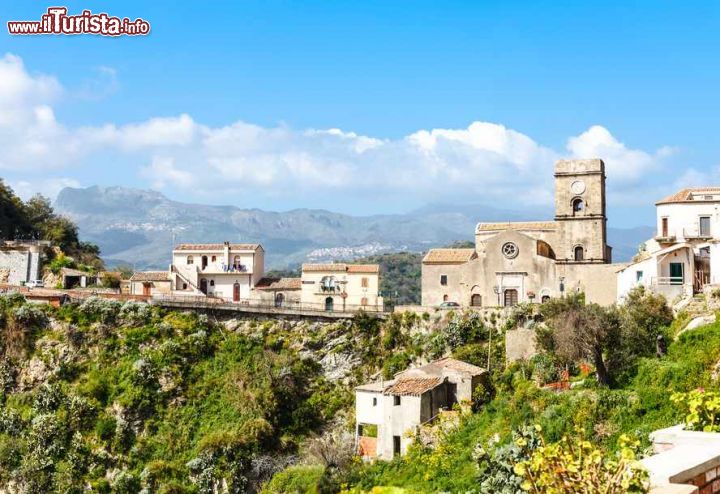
56,21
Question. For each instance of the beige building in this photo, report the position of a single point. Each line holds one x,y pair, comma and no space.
150,283
388,412
520,262
341,286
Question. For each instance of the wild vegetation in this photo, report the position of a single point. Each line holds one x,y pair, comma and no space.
35,219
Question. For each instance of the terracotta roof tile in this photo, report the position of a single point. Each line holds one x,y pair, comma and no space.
150,276
519,225
216,247
279,284
449,256
686,195
341,267
412,386
459,366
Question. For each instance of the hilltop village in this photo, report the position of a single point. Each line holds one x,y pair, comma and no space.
511,263
269,383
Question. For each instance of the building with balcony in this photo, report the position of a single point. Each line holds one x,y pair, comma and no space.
341,286
228,271
684,255
387,413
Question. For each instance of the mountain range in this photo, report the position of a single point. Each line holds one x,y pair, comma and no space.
139,227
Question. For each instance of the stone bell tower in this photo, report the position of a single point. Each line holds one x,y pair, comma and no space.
580,212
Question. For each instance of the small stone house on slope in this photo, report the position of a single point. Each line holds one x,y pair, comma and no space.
387,411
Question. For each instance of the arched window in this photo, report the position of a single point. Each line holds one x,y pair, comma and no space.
545,298
190,259
476,300
578,205
214,258
579,253
212,282
445,298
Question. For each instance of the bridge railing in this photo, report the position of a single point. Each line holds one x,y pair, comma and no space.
213,302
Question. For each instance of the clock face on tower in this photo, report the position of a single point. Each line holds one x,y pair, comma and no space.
577,187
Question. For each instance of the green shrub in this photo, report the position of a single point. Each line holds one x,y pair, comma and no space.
296,480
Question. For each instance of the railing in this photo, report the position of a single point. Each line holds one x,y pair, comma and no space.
668,280
214,302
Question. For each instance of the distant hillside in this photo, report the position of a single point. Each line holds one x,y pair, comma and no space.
139,227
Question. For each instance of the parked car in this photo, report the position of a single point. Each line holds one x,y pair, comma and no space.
448,305
35,284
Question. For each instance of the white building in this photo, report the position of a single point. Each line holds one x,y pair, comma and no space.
228,271
341,287
684,255
387,413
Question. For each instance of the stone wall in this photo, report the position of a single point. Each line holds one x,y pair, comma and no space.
520,344
19,266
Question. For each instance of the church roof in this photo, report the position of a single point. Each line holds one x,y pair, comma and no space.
688,195
447,256
516,225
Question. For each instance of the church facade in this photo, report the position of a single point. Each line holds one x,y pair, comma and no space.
520,262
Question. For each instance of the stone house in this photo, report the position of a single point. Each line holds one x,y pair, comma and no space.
684,255
517,262
389,412
151,283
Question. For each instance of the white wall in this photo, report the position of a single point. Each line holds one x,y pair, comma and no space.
627,279
684,218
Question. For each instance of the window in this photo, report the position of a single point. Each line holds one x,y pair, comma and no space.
638,275
578,205
704,226
364,283
443,279
213,258
363,301
579,253
184,286
445,298
510,250
212,282
396,401
374,401
190,259
545,298
396,445
476,300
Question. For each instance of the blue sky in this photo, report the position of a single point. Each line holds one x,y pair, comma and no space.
367,107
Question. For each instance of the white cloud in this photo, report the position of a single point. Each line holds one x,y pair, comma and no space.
622,163
48,187
484,162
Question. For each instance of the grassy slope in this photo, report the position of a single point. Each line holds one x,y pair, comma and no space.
601,415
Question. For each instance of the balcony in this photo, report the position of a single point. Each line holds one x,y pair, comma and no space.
222,269
696,233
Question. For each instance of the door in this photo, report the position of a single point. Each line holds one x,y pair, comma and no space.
147,288
665,227
279,299
676,273
451,393
203,286
511,297
329,304
236,292
204,262
476,300
396,445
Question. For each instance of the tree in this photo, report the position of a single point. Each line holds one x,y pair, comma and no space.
580,331
13,220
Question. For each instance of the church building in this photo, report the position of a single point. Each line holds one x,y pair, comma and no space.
519,262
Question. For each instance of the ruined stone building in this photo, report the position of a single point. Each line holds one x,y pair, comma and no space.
518,262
